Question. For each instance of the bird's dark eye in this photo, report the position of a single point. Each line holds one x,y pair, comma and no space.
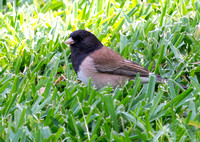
77,38
80,35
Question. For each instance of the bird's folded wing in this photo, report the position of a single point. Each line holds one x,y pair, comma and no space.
108,61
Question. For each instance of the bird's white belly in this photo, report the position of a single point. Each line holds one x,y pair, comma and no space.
100,80
83,77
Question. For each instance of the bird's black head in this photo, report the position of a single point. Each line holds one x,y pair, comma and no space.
82,41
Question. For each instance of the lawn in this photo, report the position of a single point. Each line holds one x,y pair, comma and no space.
161,35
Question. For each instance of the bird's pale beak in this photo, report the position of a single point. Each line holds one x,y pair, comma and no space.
69,41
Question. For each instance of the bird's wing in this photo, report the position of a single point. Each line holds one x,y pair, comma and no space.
108,61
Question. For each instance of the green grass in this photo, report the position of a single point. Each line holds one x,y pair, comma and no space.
162,36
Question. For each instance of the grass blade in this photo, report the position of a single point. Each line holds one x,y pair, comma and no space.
111,111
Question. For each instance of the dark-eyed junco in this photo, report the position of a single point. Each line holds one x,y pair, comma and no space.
91,59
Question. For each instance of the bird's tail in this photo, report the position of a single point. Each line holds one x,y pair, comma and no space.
163,80
160,79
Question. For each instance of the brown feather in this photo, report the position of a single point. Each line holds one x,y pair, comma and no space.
108,61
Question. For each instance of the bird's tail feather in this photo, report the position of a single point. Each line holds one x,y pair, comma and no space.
163,80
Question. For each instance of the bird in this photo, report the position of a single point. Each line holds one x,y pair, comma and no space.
91,59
